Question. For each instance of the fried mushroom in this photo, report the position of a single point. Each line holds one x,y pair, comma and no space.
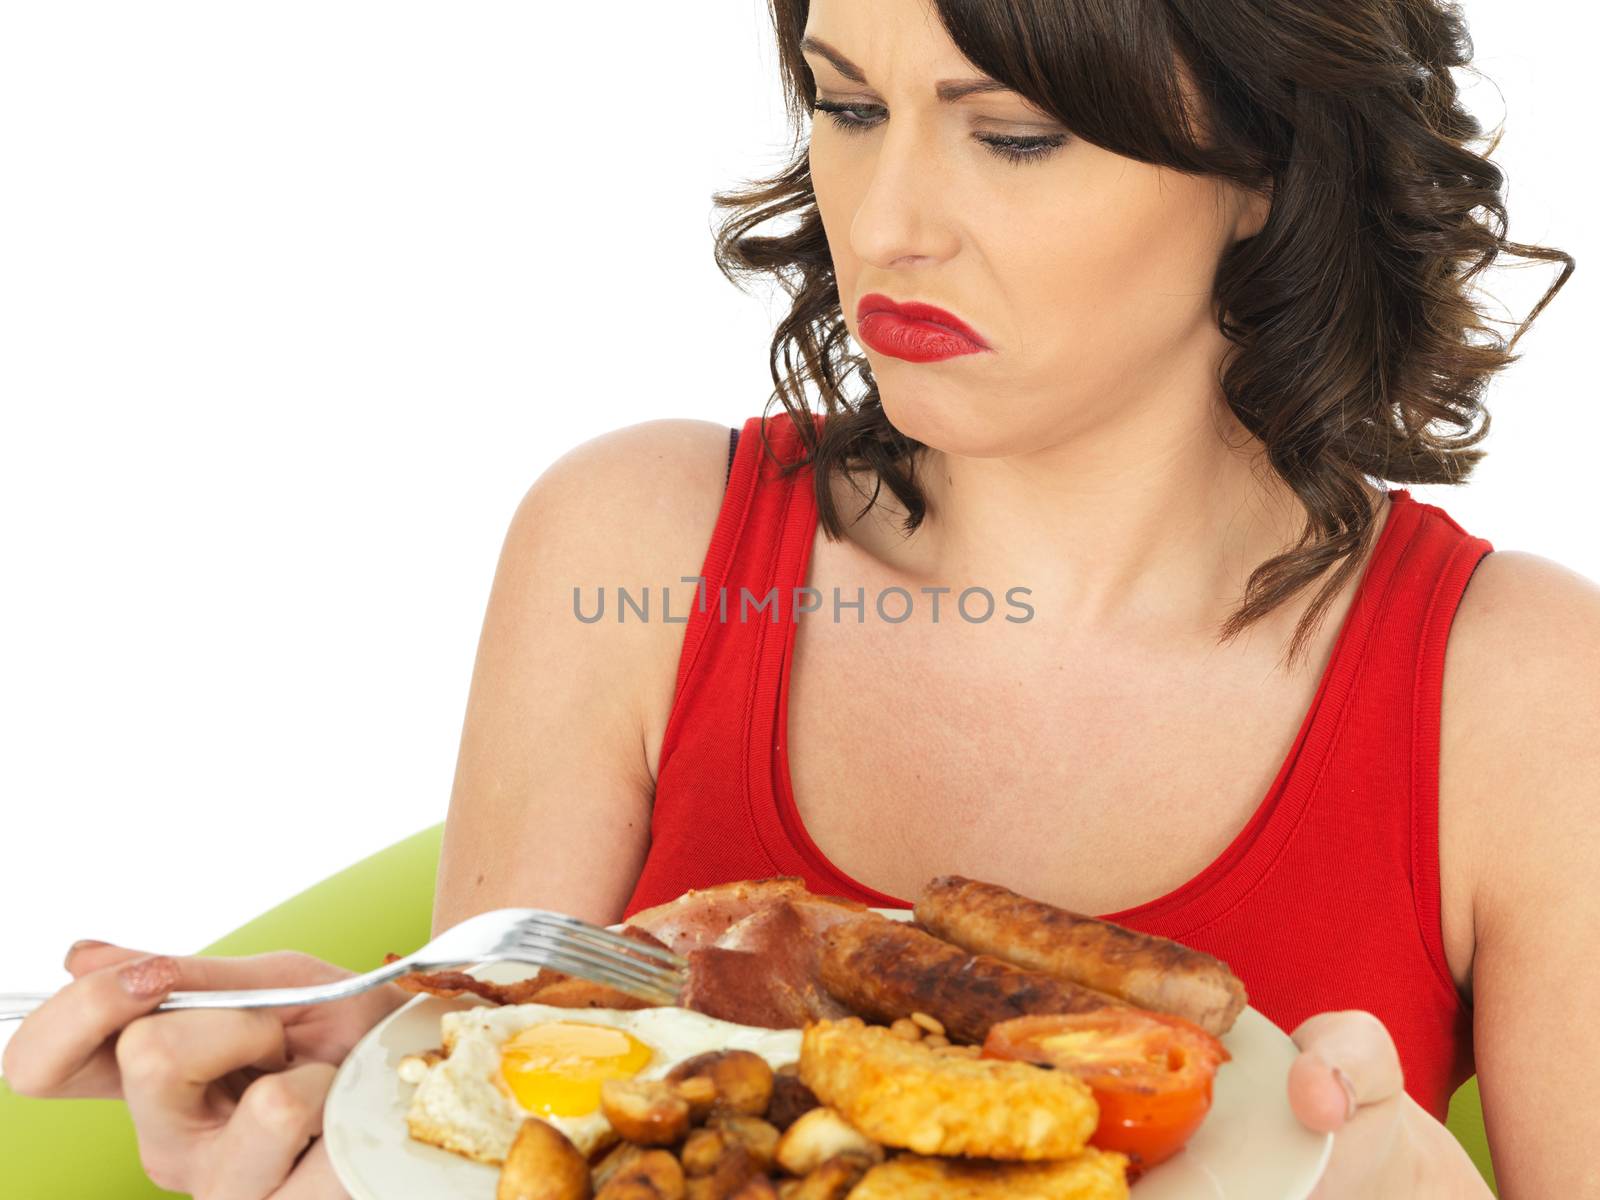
740,1083
649,1112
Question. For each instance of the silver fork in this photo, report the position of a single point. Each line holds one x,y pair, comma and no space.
526,935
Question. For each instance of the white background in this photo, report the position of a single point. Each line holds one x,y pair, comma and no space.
295,302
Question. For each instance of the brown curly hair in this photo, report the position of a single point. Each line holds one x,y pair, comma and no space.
1356,346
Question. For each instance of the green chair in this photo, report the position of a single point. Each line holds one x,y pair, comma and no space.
85,1149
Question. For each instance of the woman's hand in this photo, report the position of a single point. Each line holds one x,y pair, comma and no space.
227,1103
1348,1081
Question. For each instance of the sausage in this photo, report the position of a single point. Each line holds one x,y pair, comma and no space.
886,969
1146,971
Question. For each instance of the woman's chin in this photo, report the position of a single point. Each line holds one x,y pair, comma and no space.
952,428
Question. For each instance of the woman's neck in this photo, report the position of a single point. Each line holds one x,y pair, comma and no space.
1121,529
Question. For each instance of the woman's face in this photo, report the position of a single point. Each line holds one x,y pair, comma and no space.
1088,274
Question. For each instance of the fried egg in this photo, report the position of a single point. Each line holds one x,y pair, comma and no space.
503,1063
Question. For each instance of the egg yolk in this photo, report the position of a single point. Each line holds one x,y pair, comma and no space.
557,1068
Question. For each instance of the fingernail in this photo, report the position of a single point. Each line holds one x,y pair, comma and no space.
149,976
1351,1104
82,944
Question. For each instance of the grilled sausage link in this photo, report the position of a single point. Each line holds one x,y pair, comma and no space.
1144,970
886,970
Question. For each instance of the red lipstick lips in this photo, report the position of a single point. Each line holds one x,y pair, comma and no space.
914,331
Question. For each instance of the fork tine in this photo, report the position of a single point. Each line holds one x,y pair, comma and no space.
619,965
604,937
601,942
604,952
664,991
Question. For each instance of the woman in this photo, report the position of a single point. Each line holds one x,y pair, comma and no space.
1212,698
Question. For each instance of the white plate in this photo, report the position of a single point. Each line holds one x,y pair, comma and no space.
1250,1147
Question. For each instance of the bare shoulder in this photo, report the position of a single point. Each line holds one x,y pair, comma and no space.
632,509
1522,670
1520,729
1527,629
638,496
1514,592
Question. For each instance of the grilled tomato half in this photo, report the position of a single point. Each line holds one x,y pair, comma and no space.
1150,1073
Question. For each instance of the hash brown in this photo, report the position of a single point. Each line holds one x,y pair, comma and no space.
904,1094
1092,1175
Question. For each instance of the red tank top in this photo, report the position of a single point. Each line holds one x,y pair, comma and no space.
1328,898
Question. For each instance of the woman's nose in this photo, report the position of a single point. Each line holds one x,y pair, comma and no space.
902,215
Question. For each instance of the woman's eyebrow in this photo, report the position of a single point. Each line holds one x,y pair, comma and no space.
947,90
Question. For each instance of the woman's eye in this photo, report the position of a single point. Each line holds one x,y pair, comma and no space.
856,117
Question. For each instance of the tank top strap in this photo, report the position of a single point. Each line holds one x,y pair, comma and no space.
1395,708
756,543
711,817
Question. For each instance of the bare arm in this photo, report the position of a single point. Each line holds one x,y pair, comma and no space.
553,785
1529,740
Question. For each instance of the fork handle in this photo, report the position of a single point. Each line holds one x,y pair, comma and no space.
16,1005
